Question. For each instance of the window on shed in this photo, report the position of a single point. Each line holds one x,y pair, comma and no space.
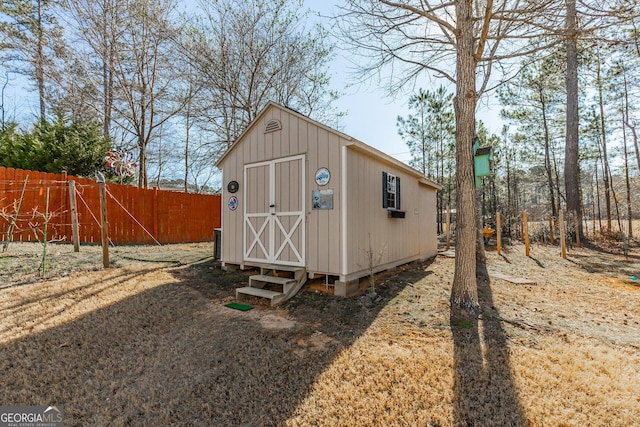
390,191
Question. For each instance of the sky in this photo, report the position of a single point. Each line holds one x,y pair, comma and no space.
371,113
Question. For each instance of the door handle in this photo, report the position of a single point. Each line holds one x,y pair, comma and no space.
272,206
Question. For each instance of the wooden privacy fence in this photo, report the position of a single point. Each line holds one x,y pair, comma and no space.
135,215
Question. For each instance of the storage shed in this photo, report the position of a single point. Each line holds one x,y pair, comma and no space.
302,198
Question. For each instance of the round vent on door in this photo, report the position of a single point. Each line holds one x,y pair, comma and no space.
233,186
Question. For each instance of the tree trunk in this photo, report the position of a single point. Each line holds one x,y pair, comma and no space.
108,108
107,69
626,120
481,256
494,198
593,207
439,195
509,202
449,189
187,132
626,174
598,194
106,126
605,156
40,63
142,170
634,134
160,160
615,200
440,173
571,162
557,183
464,293
547,156
186,151
516,203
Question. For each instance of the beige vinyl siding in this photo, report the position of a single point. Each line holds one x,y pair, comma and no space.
332,245
392,239
232,221
323,231
255,146
297,136
428,223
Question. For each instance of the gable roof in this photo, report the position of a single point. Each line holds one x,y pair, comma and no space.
353,143
256,120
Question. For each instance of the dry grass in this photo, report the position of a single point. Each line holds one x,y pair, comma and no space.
152,343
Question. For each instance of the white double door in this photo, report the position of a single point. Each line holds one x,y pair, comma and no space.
274,218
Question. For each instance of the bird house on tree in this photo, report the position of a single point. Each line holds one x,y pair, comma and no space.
482,162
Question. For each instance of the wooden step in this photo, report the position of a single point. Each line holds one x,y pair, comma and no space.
271,279
272,276
257,292
281,267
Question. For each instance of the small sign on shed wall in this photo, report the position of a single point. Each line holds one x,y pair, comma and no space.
322,199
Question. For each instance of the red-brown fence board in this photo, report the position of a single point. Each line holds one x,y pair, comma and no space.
167,216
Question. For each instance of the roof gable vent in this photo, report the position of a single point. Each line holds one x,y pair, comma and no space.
272,126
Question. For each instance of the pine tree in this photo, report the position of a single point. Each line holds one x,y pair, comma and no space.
430,135
32,41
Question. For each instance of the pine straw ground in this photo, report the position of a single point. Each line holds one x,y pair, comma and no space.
151,343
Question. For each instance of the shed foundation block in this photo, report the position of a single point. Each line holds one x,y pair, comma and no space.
343,289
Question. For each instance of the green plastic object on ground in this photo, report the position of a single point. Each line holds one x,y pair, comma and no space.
238,306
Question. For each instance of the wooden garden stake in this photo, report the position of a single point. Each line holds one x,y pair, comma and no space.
498,233
44,235
75,237
103,220
563,243
525,231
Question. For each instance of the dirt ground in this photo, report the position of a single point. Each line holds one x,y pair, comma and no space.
150,342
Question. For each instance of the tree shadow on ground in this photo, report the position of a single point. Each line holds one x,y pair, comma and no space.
175,355
485,393
606,264
504,257
540,264
615,250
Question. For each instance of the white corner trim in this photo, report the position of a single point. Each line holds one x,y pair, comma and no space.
343,210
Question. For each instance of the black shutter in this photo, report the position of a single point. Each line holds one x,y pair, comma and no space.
385,195
398,192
